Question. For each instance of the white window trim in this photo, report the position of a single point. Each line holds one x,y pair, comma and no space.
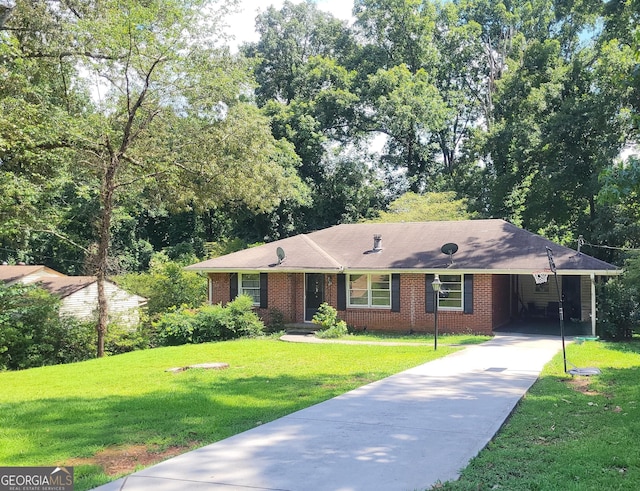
369,292
453,309
241,290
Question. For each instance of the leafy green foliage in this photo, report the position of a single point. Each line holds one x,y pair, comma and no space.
167,285
327,317
618,310
122,338
208,323
32,333
412,207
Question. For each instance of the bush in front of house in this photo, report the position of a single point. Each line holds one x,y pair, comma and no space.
208,323
618,310
327,318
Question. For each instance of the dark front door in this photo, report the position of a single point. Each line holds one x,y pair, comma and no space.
571,297
314,294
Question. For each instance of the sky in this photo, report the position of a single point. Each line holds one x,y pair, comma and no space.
242,24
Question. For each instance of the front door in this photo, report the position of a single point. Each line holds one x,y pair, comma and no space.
314,294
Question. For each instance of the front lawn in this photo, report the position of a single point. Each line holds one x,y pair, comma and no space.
580,433
106,416
422,338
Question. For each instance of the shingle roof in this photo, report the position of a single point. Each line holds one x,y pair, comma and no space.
64,286
54,282
13,273
483,245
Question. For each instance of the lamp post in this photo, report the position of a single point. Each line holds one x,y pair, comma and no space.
436,285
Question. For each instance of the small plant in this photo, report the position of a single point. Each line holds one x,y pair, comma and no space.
332,327
276,320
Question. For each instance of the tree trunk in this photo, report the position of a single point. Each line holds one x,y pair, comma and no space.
104,235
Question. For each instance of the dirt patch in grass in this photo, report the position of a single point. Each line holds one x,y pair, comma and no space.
116,461
581,384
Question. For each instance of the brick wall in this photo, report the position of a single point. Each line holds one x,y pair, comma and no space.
501,299
286,293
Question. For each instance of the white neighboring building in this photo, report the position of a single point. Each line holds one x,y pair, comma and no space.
79,294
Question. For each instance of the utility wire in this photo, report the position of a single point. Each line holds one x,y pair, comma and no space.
631,249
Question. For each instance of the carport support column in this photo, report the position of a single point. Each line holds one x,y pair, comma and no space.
593,304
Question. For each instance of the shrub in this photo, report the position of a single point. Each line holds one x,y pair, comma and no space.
123,338
276,320
618,310
167,285
332,327
76,341
175,327
33,334
209,323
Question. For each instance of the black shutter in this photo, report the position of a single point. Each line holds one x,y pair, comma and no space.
428,289
233,285
342,292
395,292
264,290
468,294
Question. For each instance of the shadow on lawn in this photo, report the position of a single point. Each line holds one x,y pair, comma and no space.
198,409
628,346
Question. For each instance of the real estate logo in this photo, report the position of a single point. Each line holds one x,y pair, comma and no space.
36,478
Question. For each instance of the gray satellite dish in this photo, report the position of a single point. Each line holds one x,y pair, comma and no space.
450,249
280,254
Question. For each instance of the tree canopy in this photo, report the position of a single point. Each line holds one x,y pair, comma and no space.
128,128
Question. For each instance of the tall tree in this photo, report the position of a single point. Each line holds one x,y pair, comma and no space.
400,97
170,122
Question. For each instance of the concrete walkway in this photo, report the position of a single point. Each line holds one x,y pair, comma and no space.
402,433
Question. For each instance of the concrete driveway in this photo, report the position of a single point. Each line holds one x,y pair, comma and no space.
406,432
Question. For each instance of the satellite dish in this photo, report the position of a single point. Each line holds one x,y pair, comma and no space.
280,254
450,249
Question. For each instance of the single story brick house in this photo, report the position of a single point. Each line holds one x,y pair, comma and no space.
379,276
78,294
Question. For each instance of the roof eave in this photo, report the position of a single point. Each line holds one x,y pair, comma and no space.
279,269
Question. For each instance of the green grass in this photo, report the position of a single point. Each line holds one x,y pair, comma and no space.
569,434
443,339
57,415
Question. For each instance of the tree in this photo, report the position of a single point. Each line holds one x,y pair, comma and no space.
412,207
289,39
555,129
171,123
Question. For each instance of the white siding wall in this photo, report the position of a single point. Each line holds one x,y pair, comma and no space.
585,298
83,304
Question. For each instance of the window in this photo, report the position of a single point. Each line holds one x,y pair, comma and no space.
250,285
451,294
370,290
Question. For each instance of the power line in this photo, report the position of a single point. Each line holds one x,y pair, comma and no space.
629,249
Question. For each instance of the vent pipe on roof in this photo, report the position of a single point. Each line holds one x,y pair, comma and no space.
377,243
